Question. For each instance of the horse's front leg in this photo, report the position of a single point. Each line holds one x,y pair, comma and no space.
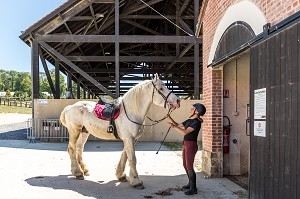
133,177
121,167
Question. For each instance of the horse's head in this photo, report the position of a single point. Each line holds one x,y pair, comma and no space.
162,96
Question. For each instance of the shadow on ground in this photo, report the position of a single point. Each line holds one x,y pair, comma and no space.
155,187
111,189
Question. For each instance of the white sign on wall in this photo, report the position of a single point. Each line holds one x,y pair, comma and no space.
43,101
260,103
260,128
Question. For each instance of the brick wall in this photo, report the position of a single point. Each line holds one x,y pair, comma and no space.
274,11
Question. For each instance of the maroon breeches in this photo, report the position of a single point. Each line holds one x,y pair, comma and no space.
189,151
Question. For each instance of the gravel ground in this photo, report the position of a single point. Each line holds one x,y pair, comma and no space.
13,126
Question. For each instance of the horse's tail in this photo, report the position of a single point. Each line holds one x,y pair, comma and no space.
62,117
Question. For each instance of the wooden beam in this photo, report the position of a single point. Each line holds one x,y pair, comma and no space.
153,17
48,75
35,85
81,18
57,79
104,1
65,16
136,8
141,27
117,48
94,19
183,7
196,15
130,59
78,88
76,68
141,71
177,23
144,78
196,72
69,81
196,53
123,38
185,50
186,27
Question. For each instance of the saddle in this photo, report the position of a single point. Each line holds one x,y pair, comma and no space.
108,111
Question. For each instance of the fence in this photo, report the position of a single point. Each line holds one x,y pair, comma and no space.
46,130
13,102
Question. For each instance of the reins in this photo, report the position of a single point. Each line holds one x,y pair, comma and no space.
155,121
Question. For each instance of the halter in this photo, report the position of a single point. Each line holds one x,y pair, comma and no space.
155,121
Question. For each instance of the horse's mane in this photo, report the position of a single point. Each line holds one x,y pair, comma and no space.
131,94
132,98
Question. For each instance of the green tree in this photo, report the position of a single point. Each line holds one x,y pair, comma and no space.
8,94
13,75
44,84
23,84
4,82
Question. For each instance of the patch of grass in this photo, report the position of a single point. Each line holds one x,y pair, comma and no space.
176,146
15,109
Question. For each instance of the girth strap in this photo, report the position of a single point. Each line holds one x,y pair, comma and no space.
112,126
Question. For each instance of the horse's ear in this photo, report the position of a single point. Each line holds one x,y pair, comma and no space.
156,77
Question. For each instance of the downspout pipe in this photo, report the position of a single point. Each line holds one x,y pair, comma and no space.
199,24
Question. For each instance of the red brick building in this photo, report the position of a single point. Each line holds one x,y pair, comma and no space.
218,18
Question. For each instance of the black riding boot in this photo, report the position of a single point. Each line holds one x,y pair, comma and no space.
185,187
193,188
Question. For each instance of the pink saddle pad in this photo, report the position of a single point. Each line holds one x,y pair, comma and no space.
102,112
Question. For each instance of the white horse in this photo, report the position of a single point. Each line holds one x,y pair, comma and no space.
134,106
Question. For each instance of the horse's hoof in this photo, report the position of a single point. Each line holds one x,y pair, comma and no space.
122,178
80,177
139,187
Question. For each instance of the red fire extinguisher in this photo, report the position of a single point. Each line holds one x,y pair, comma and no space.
226,132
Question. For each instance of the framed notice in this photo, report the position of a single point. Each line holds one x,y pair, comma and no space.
260,103
260,128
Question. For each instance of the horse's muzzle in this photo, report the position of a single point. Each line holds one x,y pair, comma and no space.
175,104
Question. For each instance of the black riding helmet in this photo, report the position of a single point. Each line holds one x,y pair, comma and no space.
200,108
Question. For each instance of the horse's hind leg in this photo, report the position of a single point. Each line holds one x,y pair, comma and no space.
80,146
75,167
121,167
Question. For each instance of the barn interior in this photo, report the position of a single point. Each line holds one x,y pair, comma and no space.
105,47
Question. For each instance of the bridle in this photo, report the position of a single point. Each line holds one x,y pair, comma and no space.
155,121
161,94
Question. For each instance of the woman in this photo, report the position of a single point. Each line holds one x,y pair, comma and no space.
190,129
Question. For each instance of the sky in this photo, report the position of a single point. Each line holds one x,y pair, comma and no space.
17,16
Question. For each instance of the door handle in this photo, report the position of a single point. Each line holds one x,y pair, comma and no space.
247,123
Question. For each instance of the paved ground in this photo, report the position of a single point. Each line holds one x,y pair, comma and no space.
42,170
12,118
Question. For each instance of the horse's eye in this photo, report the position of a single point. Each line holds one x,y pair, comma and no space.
161,89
